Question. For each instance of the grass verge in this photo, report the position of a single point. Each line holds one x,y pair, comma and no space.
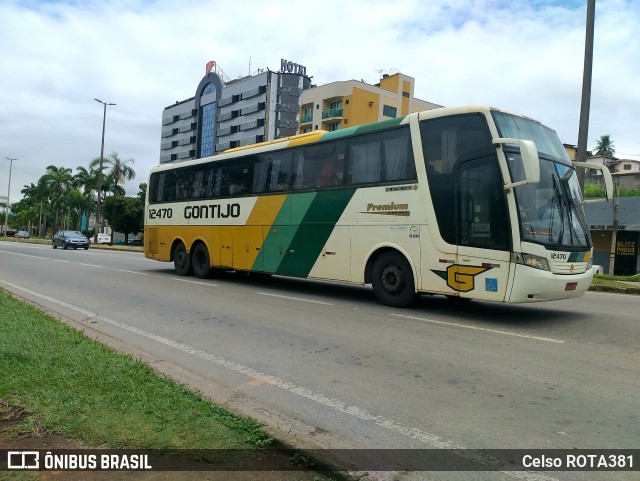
74,386
605,280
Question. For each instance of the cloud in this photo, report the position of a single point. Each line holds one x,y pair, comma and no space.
144,55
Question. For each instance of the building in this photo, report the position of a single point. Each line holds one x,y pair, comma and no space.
228,113
339,105
625,172
623,214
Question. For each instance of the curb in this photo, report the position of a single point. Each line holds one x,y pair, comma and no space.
619,290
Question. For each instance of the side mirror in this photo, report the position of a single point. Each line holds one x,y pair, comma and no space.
606,175
530,160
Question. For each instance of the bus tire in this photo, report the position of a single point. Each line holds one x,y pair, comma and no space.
392,280
182,261
200,261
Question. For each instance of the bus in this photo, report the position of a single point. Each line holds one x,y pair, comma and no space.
469,202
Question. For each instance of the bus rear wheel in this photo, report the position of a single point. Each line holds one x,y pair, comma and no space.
182,260
392,279
200,261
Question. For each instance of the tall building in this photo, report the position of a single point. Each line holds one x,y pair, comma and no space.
339,105
228,113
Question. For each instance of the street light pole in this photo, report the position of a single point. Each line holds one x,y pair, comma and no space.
6,213
583,132
99,205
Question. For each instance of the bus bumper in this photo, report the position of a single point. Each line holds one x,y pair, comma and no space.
534,285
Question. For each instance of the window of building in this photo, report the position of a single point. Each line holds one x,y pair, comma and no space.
207,132
336,104
334,127
208,89
626,167
389,111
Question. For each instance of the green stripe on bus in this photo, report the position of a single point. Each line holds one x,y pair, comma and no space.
338,134
385,124
284,228
577,256
312,234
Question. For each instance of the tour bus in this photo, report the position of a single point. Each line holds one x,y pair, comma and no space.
469,202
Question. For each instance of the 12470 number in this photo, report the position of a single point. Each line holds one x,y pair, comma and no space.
160,213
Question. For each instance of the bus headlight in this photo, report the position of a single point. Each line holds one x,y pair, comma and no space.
537,262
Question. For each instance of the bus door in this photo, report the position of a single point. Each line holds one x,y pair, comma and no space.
469,250
483,232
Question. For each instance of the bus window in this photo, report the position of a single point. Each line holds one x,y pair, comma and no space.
445,142
398,155
323,165
234,177
482,214
272,172
365,159
184,185
155,187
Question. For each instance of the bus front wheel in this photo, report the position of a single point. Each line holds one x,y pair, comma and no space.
392,279
182,260
200,261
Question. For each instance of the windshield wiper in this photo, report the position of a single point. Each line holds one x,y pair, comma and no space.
558,195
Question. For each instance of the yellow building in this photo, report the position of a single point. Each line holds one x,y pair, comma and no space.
339,105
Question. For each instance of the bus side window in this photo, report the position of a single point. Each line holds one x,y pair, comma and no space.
365,160
398,155
198,184
169,191
235,177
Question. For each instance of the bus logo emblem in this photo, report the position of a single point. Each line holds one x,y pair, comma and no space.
461,278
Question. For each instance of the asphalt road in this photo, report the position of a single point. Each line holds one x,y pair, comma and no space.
326,366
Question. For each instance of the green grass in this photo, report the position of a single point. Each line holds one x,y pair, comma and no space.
77,387
614,281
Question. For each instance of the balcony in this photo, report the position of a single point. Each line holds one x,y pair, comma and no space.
331,113
306,118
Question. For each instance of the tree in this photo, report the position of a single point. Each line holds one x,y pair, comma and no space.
87,182
59,180
125,214
118,173
604,146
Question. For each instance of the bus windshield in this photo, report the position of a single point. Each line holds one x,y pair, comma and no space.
550,212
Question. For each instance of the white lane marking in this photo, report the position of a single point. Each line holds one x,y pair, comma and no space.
133,272
408,431
67,262
21,254
195,282
478,328
295,298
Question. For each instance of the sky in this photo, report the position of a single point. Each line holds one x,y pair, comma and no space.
57,56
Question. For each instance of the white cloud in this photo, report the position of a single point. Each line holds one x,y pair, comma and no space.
145,55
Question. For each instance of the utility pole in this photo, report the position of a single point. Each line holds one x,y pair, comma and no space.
614,234
6,213
99,204
583,132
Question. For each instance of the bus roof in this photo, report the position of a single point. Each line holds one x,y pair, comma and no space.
323,135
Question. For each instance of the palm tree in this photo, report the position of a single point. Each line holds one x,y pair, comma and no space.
604,146
87,182
118,172
39,195
59,180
